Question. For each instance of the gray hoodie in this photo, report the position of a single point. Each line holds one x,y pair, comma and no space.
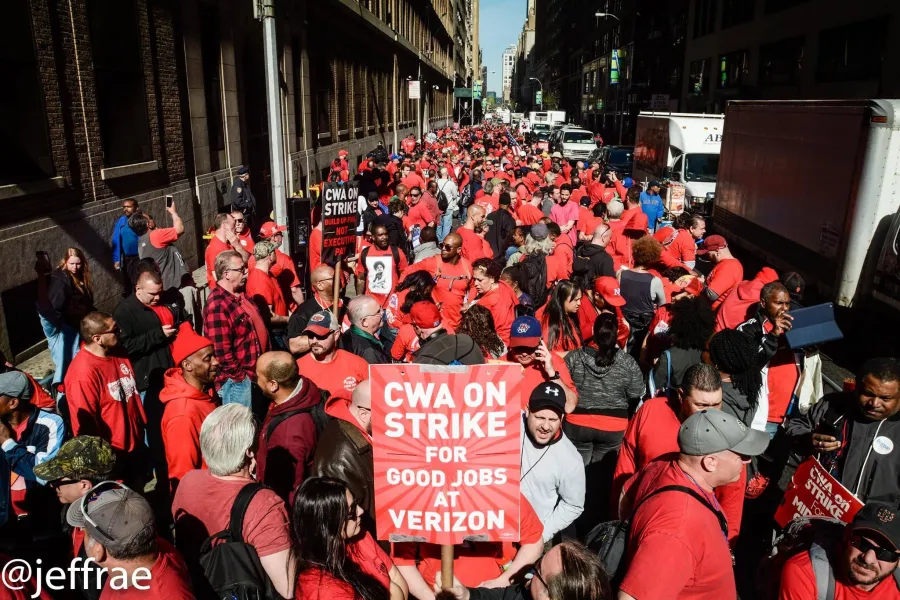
605,390
552,480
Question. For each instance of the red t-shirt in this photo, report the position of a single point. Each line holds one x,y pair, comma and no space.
676,548
104,400
683,247
419,215
413,180
452,284
161,238
264,291
529,214
338,377
216,247
653,433
535,375
201,508
798,582
723,278
473,562
472,245
169,579
381,279
405,344
246,241
164,315
501,301
313,584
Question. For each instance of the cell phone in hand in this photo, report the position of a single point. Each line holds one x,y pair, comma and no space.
826,428
42,256
170,200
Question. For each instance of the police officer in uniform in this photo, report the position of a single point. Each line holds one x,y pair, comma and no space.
241,197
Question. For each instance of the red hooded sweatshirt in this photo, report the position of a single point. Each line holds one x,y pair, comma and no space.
184,409
742,304
285,456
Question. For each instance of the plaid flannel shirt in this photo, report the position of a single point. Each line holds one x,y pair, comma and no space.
234,339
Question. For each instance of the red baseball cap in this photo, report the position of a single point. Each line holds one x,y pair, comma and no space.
608,287
665,235
712,243
425,314
269,228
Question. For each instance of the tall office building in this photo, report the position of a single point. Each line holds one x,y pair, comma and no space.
509,63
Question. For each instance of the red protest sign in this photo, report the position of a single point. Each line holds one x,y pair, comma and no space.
447,449
815,492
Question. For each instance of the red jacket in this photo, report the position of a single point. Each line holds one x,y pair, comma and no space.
184,409
285,456
742,304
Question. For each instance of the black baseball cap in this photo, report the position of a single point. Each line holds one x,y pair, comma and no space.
880,518
548,395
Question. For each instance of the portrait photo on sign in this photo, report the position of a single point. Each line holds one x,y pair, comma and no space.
380,274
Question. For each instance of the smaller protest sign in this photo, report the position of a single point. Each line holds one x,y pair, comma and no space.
447,452
340,215
814,492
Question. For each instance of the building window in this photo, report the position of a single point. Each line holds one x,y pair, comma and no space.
587,83
733,69
700,77
853,52
343,106
297,63
735,12
119,81
704,17
212,82
25,147
324,86
358,96
780,62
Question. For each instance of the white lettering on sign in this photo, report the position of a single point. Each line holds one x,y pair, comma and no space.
447,521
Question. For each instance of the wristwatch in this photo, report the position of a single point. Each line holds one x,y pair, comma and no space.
553,377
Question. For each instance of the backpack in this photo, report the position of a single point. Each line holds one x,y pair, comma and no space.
465,197
317,412
582,271
610,539
395,254
535,269
380,155
443,203
232,567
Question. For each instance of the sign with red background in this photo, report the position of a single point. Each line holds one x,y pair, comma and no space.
814,492
447,448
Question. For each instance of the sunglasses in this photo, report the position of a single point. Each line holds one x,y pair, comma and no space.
448,248
535,570
415,195
351,515
59,483
238,220
115,331
522,350
883,554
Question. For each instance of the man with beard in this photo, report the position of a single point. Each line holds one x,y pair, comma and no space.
344,450
565,214
862,567
552,474
452,278
333,370
855,434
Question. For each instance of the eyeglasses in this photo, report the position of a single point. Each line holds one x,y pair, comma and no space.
321,281
448,248
522,350
378,314
241,270
883,554
415,195
238,220
115,331
55,485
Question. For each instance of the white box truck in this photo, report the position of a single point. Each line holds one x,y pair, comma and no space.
814,187
683,147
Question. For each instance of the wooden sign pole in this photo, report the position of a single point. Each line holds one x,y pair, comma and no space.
335,306
446,567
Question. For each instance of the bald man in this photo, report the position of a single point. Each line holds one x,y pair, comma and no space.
452,278
345,449
288,436
322,282
472,246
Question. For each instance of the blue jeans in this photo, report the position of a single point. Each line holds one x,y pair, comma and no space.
444,225
236,391
62,342
772,429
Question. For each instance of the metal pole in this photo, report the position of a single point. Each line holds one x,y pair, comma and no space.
273,107
419,104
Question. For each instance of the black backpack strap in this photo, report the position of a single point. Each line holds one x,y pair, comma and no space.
723,523
282,417
395,253
239,510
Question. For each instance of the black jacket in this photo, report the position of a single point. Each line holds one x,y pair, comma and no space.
498,233
68,304
396,233
513,592
866,470
371,352
143,339
590,262
767,342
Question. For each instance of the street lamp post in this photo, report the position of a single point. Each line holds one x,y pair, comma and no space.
542,90
621,108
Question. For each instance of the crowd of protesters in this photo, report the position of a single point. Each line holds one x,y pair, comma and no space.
662,396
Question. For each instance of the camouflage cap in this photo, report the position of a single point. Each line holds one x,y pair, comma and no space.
83,457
